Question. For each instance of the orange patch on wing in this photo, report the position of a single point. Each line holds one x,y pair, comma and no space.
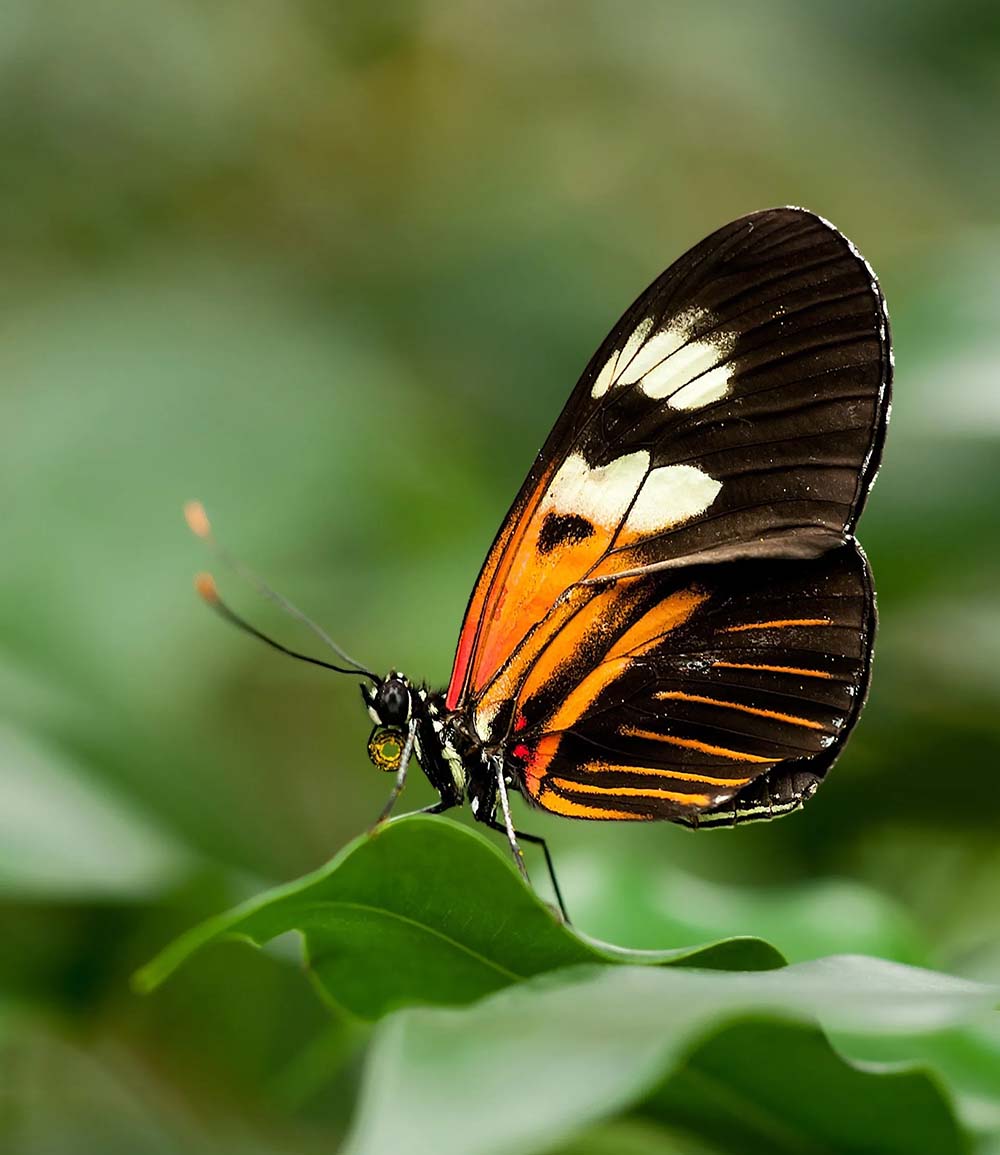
665,616
469,636
660,620
536,762
557,804
654,794
535,583
488,596
780,624
658,772
772,669
694,744
570,614
792,719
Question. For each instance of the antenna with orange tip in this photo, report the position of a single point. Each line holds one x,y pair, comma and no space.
197,519
208,591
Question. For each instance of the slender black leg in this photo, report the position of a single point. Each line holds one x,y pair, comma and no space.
400,782
536,840
507,827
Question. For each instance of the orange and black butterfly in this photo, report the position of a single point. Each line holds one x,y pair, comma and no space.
675,620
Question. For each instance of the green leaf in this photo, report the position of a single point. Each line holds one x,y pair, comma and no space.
426,911
754,1087
66,835
804,920
968,1060
632,1136
533,1065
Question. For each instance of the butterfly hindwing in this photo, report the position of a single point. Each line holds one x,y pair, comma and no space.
735,412
714,697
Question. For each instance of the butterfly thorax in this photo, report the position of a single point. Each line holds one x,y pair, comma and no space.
444,742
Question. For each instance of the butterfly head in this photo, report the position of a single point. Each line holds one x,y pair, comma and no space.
390,705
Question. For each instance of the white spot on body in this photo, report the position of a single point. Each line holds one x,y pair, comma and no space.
482,721
670,495
454,760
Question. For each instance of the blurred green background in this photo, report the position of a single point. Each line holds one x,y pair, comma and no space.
333,268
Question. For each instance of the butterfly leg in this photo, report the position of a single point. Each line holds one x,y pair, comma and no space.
400,782
536,840
507,827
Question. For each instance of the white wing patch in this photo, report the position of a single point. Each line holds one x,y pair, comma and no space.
670,365
606,375
711,386
670,495
602,493
620,360
660,346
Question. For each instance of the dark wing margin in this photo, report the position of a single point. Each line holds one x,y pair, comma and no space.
734,712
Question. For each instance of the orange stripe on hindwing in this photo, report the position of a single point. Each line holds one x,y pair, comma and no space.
780,624
659,772
799,672
694,744
791,719
568,808
654,794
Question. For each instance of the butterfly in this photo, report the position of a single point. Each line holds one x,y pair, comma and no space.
675,620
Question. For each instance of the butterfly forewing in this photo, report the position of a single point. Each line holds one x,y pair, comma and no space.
735,412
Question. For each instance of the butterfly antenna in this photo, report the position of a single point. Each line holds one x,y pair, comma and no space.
198,523
204,583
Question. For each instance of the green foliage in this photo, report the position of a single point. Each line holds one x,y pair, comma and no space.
425,911
567,1031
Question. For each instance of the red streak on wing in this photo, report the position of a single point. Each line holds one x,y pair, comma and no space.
465,642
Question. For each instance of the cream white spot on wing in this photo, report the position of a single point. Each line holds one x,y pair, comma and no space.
670,495
675,374
703,390
601,493
671,364
636,340
660,345
606,376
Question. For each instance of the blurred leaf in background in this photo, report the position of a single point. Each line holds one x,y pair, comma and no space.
333,268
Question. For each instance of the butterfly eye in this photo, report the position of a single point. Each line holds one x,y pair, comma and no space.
393,705
385,748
